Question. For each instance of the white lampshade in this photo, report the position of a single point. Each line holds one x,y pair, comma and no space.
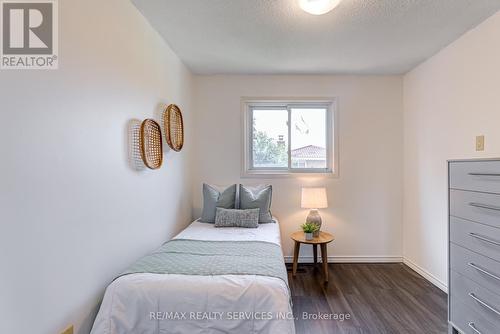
314,198
318,7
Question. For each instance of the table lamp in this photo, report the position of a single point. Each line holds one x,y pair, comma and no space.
314,199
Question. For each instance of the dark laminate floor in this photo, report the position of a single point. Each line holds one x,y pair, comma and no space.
380,298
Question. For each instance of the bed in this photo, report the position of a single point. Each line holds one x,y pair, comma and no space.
146,301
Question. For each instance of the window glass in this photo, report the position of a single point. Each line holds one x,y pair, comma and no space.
270,138
308,138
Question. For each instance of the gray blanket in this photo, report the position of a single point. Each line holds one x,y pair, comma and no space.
196,257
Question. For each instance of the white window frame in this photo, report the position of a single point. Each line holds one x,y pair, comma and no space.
332,152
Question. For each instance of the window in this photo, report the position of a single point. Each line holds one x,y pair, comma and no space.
289,137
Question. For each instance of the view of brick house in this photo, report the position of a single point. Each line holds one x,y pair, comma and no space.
309,156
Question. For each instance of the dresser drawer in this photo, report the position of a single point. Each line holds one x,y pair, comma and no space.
478,268
479,207
477,298
465,319
479,238
475,175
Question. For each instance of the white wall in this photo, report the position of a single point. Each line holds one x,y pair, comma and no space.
448,100
73,213
365,210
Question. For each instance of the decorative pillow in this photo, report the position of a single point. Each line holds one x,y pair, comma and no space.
214,197
257,197
237,218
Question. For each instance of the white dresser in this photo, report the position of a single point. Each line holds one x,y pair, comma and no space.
474,247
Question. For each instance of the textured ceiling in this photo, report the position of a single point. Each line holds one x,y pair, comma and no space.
277,37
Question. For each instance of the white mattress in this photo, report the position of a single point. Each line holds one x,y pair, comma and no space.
150,303
204,231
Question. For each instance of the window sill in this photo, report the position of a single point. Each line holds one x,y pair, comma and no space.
284,174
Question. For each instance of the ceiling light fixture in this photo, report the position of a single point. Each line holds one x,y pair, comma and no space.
318,7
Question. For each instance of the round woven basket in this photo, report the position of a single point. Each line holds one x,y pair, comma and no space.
174,127
151,144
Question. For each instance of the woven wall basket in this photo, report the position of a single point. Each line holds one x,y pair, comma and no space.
150,141
174,127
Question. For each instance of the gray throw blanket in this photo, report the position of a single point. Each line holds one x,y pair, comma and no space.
196,257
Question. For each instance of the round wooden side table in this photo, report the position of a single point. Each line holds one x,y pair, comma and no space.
323,239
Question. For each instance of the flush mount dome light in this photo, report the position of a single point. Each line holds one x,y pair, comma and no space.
318,7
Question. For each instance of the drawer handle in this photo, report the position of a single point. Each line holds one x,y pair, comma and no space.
484,206
480,237
473,296
473,326
484,271
484,174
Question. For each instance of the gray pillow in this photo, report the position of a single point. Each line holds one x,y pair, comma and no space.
257,197
214,197
237,218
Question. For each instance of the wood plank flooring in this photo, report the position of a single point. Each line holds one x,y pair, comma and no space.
380,298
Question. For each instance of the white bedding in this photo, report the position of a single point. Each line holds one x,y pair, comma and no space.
204,231
166,303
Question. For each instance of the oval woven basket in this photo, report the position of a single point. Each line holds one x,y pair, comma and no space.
174,127
151,144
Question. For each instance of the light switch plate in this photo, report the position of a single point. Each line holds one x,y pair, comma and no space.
68,330
480,143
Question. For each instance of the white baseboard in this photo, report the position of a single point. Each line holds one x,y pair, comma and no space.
349,259
427,275
377,259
